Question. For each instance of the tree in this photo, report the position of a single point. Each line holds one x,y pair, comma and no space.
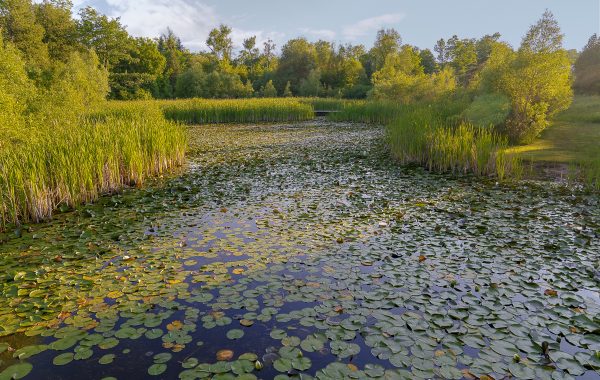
442,52
17,91
287,92
190,84
106,36
298,59
428,62
462,54
268,54
176,62
135,77
403,79
484,47
220,43
269,90
60,30
388,41
587,68
543,37
537,79
250,54
311,86
20,27
78,85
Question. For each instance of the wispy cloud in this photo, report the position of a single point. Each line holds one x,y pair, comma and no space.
368,25
324,34
191,20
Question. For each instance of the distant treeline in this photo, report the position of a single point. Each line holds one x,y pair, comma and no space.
163,68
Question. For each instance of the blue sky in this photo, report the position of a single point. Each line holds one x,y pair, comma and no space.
420,23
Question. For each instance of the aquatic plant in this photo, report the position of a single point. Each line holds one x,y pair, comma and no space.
46,166
205,111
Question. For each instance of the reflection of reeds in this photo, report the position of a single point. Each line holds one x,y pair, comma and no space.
43,166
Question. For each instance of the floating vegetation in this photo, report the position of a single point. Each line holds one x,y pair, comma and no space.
353,267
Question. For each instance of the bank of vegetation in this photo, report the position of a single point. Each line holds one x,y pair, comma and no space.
455,108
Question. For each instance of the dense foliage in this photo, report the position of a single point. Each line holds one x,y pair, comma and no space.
536,77
55,150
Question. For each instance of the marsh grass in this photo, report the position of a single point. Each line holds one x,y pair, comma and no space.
424,137
209,111
434,135
327,104
590,170
45,166
362,111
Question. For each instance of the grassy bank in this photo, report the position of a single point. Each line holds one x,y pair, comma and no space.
45,166
206,111
572,140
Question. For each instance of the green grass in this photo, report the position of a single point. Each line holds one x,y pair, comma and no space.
208,111
45,166
573,139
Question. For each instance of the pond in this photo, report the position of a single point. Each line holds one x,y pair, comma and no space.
304,251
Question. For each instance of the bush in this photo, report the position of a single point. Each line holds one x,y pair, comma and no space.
537,79
488,110
403,80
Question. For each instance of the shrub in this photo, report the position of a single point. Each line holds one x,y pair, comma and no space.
488,110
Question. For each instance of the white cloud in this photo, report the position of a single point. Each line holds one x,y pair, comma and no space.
366,26
324,34
190,20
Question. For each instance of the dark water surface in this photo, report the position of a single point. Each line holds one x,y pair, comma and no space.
303,249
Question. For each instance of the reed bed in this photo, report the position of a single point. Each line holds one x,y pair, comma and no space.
214,111
362,111
590,170
428,135
328,104
43,167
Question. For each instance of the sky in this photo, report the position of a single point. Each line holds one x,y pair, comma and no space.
421,23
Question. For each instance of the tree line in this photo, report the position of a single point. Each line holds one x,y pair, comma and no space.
98,54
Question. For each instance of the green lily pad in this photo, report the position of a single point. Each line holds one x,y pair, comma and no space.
235,334
157,369
107,359
16,371
63,359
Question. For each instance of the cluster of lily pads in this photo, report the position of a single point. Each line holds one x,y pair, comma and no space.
303,251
